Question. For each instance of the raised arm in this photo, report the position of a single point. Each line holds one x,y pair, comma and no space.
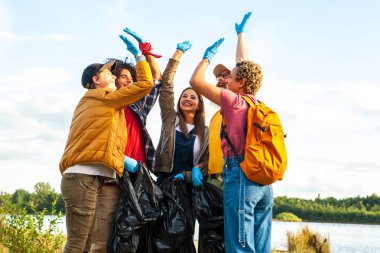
147,50
147,103
181,48
241,47
166,99
135,91
197,80
154,67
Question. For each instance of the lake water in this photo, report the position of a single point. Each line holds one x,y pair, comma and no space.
344,238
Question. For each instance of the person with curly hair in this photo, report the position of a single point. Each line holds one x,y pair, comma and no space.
247,205
139,143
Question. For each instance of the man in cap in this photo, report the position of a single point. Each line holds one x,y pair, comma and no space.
96,144
215,163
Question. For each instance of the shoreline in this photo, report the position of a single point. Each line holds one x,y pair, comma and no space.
330,222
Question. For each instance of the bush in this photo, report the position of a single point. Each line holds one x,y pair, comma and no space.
285,216
21,232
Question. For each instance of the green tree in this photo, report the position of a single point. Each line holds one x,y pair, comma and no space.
21,199
4,198
43,196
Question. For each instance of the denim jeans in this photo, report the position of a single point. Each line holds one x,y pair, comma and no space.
247,211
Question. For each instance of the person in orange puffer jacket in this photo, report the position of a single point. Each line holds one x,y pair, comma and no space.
96,143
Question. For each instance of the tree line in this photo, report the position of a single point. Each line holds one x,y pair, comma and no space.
41,198
348,210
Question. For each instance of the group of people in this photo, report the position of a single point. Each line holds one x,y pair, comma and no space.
108,136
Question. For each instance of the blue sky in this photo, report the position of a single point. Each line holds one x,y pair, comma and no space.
320,61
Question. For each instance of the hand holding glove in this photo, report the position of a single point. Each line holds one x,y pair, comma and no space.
179,176
130,164
184,46
145,46
196,176
239,28
130,47
211,50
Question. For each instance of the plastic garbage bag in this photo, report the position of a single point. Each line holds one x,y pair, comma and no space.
208,209
138,206
174,231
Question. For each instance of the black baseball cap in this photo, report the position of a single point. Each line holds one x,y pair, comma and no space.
92,70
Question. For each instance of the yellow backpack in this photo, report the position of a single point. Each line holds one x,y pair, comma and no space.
265,157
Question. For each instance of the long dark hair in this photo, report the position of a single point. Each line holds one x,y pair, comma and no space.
199,117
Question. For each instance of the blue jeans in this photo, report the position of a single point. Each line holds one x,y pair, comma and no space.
247,211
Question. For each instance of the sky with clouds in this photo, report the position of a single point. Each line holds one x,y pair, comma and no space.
320,61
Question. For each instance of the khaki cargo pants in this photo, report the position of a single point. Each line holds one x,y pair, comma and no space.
85,203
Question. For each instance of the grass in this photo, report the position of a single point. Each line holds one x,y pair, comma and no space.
3,249
306,241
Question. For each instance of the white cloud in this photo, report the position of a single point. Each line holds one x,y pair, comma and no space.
25,174
306,177
332,139
35,110
35,78
10,37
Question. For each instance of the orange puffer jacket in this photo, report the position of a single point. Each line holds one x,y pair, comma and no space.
98,129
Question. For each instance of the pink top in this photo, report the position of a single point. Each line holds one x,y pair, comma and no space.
234,110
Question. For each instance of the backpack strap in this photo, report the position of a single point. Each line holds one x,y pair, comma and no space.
252,104
223,134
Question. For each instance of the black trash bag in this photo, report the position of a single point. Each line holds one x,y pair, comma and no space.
139,205
208,209
148,194
174,231
145,238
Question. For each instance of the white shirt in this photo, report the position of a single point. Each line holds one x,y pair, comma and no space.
94,169
197,144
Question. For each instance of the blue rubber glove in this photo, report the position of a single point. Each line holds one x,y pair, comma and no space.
211,50
130,164
239,28
134,35
184,46
196,176
179,176
130,47
144,46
